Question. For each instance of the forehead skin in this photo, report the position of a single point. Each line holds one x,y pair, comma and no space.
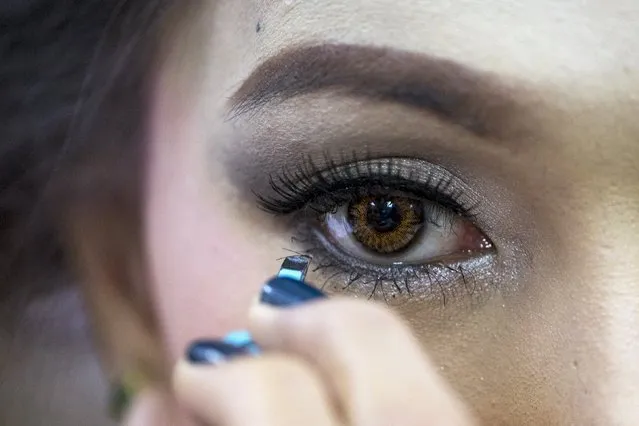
562,347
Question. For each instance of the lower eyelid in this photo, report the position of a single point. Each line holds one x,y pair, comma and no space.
335,272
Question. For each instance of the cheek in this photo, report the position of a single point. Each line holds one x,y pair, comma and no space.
205,264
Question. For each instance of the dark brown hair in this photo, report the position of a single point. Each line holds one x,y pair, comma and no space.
76,78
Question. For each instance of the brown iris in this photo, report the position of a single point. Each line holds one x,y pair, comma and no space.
385,224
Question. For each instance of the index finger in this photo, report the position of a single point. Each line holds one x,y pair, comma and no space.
374,365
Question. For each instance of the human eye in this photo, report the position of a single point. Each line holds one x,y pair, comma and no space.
384,226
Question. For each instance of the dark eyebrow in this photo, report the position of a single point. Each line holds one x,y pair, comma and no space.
451,91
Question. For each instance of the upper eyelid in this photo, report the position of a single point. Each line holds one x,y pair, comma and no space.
294,189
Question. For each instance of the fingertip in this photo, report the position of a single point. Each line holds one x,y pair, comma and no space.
263,314
185,377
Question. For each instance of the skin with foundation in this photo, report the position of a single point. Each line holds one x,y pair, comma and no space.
506,131
528,108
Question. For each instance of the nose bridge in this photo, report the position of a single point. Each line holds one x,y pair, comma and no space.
609,271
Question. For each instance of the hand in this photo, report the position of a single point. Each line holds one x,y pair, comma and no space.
329,362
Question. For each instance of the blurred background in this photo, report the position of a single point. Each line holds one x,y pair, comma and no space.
49,372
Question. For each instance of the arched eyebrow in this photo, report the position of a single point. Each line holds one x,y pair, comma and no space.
449,90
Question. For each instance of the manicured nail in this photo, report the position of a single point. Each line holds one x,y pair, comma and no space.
213,352
282,292
238,338
242,339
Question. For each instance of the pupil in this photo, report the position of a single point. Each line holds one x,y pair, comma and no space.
383,215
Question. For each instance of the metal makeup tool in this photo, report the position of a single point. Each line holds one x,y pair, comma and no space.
288,287
294,267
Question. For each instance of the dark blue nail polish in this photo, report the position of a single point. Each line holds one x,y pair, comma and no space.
282,292
213,352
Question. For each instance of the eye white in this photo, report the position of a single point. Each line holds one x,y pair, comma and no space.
438,237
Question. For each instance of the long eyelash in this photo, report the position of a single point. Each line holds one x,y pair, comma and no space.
323,189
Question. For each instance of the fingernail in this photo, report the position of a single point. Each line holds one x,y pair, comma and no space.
213,352
242,339
281,292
